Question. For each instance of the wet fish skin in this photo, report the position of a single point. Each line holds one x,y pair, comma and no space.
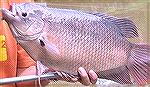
67,39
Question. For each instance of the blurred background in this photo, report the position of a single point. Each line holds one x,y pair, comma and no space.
136,10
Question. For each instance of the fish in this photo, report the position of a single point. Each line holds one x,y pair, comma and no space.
66,39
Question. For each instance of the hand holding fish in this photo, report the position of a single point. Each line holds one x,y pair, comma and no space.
86,78
67,39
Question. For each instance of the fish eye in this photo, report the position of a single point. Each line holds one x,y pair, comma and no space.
24,14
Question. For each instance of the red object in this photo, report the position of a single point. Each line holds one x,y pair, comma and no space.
17,59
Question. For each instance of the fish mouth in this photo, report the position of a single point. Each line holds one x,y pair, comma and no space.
11,16
7,15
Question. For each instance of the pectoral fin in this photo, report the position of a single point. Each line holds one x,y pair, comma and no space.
48,45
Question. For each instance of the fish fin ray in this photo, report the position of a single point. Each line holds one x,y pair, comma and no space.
105,16
41,68
120,75
126,27
139,63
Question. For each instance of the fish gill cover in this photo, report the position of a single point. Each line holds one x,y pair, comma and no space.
66,39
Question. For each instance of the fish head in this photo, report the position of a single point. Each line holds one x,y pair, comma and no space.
24,20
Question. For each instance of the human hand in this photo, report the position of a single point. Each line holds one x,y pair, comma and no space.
87,78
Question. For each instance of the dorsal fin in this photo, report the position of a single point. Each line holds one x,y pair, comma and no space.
126,26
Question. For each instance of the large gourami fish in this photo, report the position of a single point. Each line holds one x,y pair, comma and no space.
66,39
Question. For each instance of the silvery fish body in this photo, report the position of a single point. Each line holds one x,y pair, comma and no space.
68,39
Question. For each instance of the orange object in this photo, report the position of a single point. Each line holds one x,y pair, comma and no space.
13,59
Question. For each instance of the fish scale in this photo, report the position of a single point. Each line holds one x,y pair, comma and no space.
66,39
75,46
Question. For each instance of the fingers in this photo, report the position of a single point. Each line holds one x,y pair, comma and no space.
93,76
84,76
87,79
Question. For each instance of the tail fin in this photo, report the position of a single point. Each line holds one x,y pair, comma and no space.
139,63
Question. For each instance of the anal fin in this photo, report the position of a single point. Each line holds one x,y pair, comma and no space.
119,75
